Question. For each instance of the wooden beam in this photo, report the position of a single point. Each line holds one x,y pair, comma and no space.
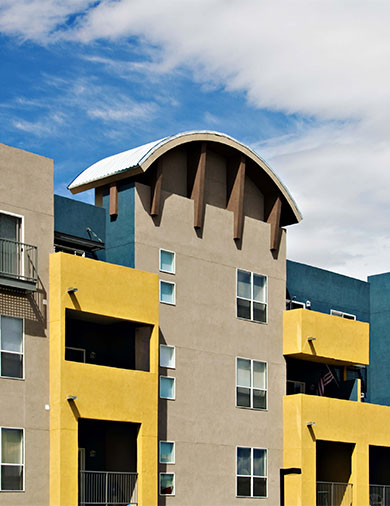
156,189
198,189
235,201
274,221
113,199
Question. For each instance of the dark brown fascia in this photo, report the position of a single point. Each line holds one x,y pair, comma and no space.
235,197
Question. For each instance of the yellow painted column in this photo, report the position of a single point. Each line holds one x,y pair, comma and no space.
360,474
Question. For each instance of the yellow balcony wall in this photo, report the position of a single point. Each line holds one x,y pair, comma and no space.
333,339
103,393
337,421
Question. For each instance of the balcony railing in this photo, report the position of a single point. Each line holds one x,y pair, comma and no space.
334,494
108,488
379,495
18,264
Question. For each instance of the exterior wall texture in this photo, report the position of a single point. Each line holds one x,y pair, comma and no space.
26,190
103,393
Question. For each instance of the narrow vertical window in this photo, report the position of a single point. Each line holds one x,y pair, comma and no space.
167,261
251,296
12,459
167,388
167,484
11,347
167,452
251,472
251,384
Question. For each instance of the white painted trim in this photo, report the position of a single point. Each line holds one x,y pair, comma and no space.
21,238
251,300
174,261
15,352
251,388
174,356
342,314
251,476
174,452
159,485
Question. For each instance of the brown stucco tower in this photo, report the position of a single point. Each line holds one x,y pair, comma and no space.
206,213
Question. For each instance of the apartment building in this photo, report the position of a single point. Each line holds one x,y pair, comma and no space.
26,231
164,377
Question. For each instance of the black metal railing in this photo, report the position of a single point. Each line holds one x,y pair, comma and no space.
108,488
334,494
379,495
18,261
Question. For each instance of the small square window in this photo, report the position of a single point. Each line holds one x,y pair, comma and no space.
167,261
167,356
167,292
167,388
167,484
167,452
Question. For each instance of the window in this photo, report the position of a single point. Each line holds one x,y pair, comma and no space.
11,347
167,292
343,315
167,388
251,296
251,390
167,452
12,459
251,472
167,484
167,261
167,356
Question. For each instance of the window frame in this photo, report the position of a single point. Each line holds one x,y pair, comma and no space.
342,314
21,232
174,452
174,388
251,300
159,485
251,388
174,357
23,464
252,475
23,377
174,292
174,261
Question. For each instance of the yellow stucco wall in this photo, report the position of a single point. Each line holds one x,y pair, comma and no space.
103,393
335,420
336,339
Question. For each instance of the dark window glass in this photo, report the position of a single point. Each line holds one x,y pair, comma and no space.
243,397
244,309
259,399
259,312
259,487
12,365
11,477
243,486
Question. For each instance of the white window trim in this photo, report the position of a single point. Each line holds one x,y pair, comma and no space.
251,475
174,292
174,388
298,302
77,349
174,261
342,314
251,388
174,486
21,217
174,356
23,465
252,300
174,452
15,352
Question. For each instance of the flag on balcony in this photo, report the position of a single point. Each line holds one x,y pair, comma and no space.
325,380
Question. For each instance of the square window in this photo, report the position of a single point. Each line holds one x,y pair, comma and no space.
251,384
167,261
251,479
167,388
167,292
11,347
12,459
167,452
251,296
167,484
167,356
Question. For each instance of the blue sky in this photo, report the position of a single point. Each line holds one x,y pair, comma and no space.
306,86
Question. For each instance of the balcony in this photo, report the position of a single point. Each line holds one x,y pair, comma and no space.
18,265
108,488
334,494
320,337
379,495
